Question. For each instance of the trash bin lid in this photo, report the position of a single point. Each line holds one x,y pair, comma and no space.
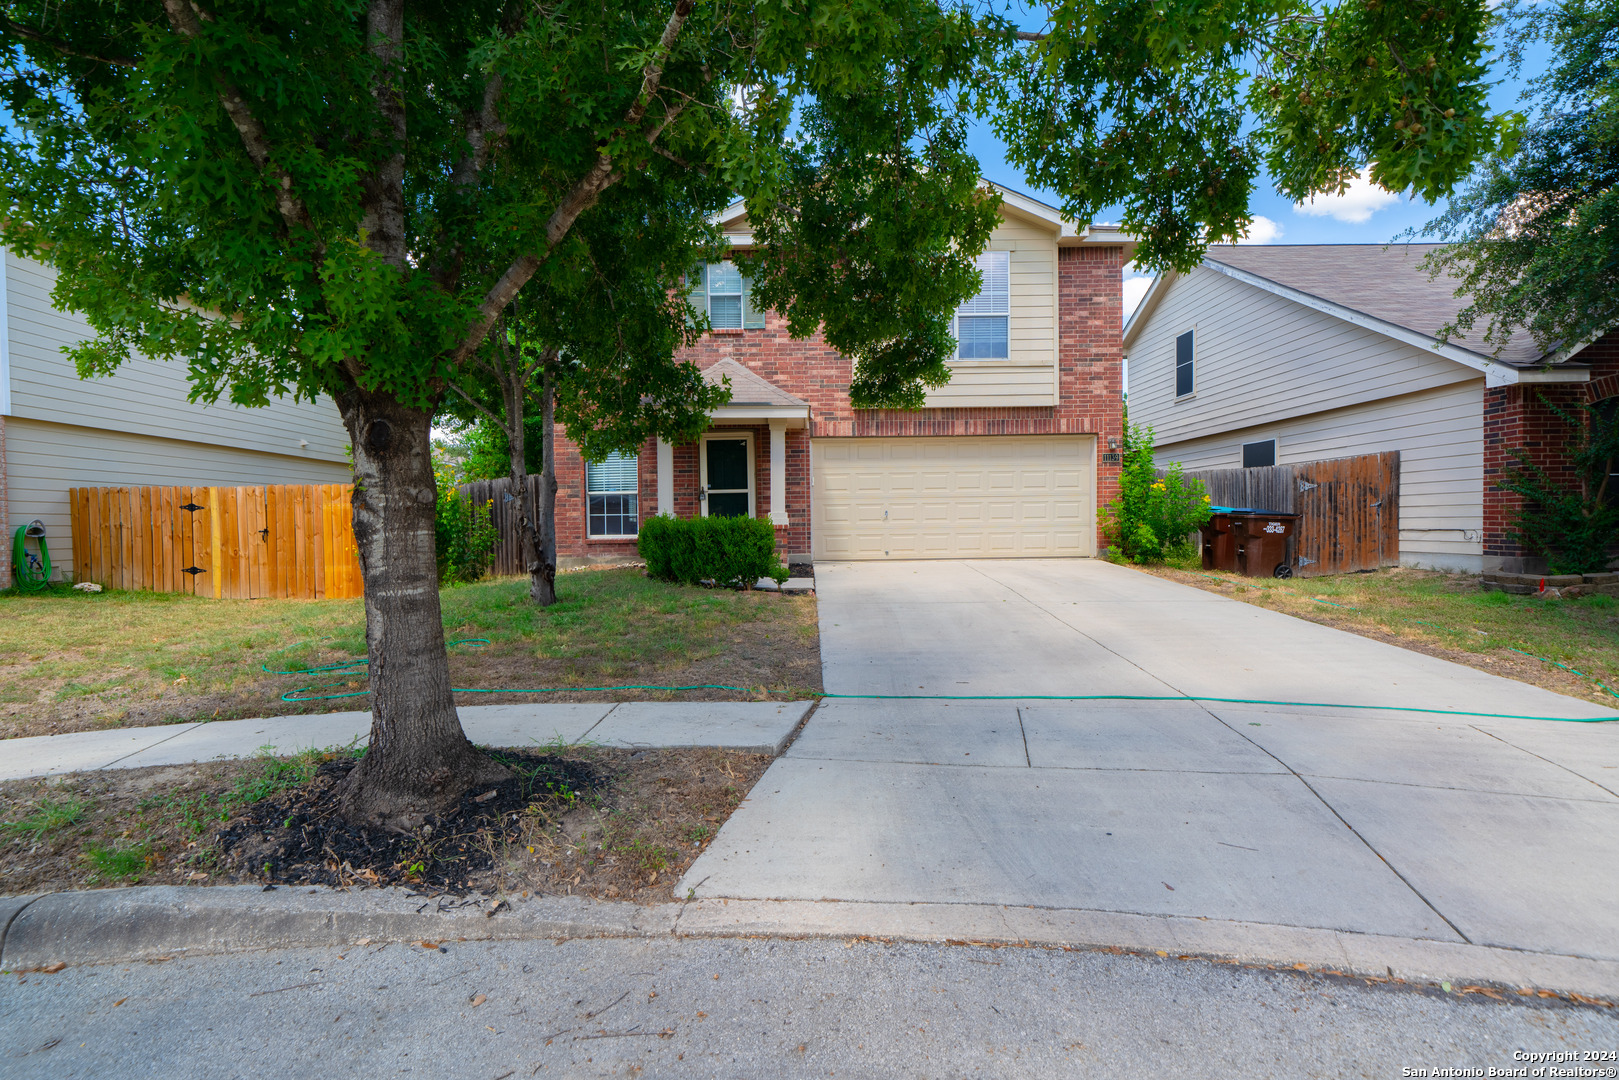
1253,510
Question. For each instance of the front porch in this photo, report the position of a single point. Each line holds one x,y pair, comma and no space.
754,460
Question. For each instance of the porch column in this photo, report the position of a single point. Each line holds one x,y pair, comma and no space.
778,472
666,478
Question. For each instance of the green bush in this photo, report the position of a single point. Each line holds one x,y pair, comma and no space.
463,534
1570,519
729,551
1154,516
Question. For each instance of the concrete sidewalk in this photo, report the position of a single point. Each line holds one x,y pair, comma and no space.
1385,825
758,727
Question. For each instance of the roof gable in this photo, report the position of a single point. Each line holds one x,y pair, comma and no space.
749,388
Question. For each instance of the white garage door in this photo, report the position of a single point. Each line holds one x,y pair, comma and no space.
946,498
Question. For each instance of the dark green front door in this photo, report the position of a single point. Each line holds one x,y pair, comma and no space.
725,476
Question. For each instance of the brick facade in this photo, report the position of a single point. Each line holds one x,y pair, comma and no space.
1518,417
1090,366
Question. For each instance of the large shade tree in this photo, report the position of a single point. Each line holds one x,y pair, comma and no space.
346,197
1535,231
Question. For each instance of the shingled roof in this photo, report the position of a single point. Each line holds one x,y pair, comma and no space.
748,388
1385,281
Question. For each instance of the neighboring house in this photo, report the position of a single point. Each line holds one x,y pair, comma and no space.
1008,459
135,427
1283,354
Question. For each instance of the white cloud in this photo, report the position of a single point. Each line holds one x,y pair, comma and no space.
1135,287
1356,205
1262,230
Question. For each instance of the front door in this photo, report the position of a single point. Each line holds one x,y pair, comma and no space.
727,487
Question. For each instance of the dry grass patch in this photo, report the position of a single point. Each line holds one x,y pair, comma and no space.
1451,617
622,824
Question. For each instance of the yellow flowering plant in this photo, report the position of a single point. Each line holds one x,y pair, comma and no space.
1154,516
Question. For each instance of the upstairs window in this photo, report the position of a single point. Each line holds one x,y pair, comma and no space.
720,291
982,331
1185,381
612,489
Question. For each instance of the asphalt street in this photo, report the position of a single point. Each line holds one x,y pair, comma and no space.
755,1008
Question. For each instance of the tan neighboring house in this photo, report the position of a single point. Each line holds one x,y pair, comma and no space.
1284,354
135,427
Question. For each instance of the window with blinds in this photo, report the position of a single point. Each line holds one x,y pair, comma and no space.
612,489
720,291
982,323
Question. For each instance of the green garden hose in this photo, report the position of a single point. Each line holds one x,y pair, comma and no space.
302,693
31,574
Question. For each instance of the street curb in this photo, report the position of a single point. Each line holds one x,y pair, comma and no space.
166,921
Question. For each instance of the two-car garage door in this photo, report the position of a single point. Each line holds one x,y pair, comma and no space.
956,497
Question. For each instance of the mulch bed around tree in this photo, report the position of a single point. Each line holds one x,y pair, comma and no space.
618,824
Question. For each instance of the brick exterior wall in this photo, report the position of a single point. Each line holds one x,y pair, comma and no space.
1517,417
1090,363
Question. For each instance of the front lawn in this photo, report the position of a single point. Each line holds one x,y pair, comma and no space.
1449,616
73,661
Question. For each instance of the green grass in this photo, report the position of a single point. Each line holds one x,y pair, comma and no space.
1452,611
84,659
50,816
195,814
126,861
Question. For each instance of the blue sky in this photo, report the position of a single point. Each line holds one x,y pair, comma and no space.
1365,215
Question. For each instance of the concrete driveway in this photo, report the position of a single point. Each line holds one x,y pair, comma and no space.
1442,828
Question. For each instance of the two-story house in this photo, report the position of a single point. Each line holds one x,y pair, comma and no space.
1009,459
1275,355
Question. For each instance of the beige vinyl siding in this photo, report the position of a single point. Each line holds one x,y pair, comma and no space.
144,397
1439,436
1028,377
1261,358
44,459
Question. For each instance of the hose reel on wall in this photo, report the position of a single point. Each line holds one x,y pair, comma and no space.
30,570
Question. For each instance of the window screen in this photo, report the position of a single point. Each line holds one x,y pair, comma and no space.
1184,381
982,331
720,291
1257,455
611,489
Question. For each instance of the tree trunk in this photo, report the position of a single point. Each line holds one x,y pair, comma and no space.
541,589
543,571
419,761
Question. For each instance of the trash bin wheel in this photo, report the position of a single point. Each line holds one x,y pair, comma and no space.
1282,571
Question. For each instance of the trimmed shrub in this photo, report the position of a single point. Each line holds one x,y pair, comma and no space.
732,552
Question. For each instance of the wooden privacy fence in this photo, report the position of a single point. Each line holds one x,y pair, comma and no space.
1349,508
246,543
503,513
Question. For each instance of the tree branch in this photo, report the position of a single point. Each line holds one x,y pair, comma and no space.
183,18
583,194
384,191
484,128
19,30
470,400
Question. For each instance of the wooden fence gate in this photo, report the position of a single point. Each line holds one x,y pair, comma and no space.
1349,508
245,543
